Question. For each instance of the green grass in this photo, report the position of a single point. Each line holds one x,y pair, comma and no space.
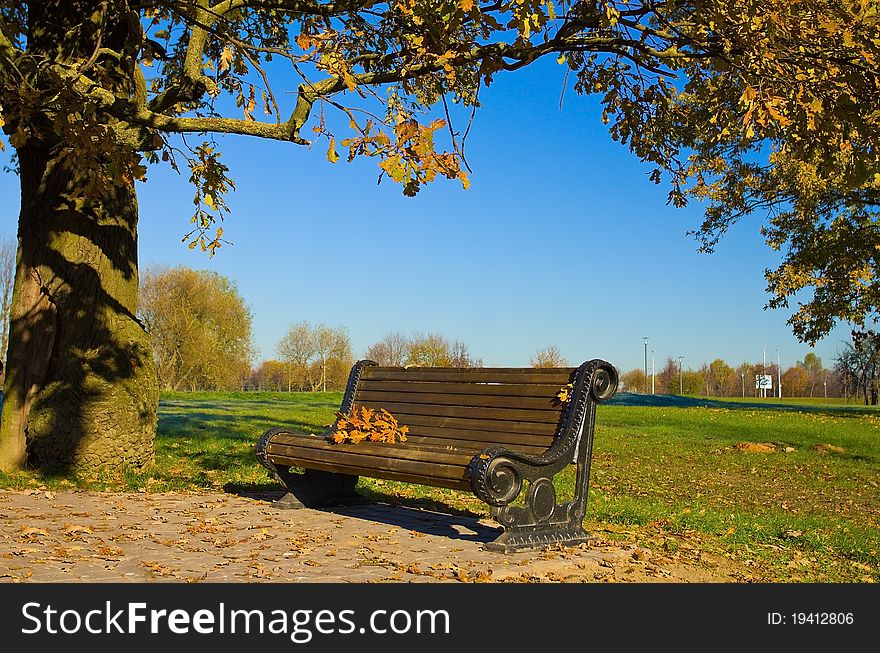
676,479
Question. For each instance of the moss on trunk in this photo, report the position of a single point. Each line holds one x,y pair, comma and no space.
81,388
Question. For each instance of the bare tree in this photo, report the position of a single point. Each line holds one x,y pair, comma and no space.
812,364
432,350
331,344
8,247
859,364
390,351
549,357
461,356
297,349
315,355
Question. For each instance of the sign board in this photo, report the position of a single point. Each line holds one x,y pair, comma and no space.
763,382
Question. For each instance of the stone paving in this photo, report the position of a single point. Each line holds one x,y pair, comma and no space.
77,536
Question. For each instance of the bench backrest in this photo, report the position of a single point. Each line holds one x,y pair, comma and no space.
470,408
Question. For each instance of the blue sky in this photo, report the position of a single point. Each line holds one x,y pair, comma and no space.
561,240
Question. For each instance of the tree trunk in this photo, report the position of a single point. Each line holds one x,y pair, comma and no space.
81,390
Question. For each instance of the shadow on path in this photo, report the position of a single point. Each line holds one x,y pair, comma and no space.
426,521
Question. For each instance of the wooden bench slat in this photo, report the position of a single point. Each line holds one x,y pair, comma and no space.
501,426
390,475
367,462
465,412
491,389
482,439
281,444
547,403
473,446
475,375
491,371
465,439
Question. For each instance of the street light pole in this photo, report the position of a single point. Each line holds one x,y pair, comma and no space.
680,388
645,338
764,373
779,373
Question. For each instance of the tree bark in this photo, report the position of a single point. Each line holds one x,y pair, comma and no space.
81,389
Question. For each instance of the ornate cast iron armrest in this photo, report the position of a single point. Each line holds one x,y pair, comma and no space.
497,474
263,454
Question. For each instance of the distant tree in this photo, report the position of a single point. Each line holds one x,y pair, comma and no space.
8,248
746,374
694,381
859,365
390,351
461,356
334,374
634,380
297,349
795,381
199,326
721,378
331,345
548,357
434,350
667,378
309,353
270,375
815,373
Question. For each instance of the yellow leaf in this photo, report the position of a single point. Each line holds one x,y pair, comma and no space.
466,5
209,201
332,155
225,59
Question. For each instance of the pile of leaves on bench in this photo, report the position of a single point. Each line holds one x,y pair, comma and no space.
368,424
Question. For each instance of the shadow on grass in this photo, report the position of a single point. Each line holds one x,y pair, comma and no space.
678,401
225,427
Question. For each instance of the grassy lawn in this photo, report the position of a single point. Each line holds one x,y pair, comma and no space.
789,491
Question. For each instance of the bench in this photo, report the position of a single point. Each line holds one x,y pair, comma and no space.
490,431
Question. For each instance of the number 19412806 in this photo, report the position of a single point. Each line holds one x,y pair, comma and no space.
810,618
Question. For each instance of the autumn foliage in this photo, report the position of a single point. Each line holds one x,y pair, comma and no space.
564,394
367,424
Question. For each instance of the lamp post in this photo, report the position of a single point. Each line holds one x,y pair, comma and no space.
779,374
825,385
743,375
645,338
680,387
764,373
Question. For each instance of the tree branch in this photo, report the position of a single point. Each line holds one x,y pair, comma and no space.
9,58
309,93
